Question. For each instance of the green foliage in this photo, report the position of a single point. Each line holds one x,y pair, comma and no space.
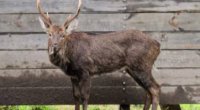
103,107
26,108
190,106
91,107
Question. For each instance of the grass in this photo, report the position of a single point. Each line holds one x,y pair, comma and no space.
91,107
190,106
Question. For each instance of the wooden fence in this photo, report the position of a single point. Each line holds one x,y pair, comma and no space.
27,76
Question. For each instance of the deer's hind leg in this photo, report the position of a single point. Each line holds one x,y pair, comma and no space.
145,79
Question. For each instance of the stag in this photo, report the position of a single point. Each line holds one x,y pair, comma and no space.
81,55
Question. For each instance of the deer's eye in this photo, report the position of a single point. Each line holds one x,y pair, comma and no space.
63,36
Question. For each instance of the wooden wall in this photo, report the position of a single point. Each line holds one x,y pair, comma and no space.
27,76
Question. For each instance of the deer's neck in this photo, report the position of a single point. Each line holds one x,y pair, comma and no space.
60,58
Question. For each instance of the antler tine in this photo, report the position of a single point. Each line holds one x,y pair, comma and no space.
45,18
71,18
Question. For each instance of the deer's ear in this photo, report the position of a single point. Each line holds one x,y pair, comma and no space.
44,25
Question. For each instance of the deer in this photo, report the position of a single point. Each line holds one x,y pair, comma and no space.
81,55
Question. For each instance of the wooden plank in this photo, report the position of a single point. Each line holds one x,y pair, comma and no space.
169,95
174,77
177,40
103,95
60,6
162,5
56,78
39,41
176,59
23,42
103,22
25,59
39,59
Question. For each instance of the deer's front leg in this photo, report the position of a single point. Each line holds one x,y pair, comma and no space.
85,84
76,93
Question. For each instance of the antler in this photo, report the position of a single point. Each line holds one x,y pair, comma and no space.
45,18
71,18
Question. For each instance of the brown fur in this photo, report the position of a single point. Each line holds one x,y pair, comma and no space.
81,56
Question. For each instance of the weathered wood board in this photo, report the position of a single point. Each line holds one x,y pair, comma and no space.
103,22
63,6
181,41
99,95
56,78
39,59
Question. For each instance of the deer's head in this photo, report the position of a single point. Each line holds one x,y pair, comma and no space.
56,33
